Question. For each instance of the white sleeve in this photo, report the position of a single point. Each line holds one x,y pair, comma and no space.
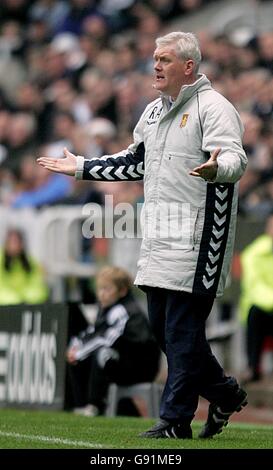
222,127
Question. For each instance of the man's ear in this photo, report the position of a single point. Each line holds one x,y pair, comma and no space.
189,66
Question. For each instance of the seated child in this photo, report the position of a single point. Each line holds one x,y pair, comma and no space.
119,348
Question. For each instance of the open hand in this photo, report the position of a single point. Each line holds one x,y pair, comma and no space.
208,170
66,165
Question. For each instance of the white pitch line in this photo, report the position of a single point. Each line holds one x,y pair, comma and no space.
53,440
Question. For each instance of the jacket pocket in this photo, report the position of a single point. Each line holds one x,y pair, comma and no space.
182,155
188,161
182,228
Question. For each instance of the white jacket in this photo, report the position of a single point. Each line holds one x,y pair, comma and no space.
188,223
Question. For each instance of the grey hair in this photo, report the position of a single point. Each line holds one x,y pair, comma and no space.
186,46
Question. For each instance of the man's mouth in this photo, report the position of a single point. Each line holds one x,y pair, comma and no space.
159,77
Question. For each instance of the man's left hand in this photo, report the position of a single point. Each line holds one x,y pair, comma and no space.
208,170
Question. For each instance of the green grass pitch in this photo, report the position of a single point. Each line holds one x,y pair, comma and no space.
59,430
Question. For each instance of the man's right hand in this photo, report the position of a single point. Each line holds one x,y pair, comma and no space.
66,165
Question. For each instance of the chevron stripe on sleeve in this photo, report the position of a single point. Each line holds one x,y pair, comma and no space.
124,166
214,238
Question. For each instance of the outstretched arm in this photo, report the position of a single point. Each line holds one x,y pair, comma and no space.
127,165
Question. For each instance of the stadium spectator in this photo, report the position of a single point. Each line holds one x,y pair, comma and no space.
42,74
119,348
52,12
191,138
20,139
257,296
79,10
39,188
21,276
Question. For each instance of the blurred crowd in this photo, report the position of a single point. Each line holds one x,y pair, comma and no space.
78,74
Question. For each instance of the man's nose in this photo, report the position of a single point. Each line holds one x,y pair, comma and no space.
157,66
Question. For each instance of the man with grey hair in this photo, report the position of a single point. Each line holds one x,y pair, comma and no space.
191,138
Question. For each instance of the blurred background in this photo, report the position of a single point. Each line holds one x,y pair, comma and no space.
78,74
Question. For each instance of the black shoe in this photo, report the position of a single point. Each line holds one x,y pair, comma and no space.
218,417
164,429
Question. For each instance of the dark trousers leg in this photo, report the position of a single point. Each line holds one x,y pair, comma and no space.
215,386
259,325
157,301
186,315
125,370
98,385
178,322
90,380
78,377
89,383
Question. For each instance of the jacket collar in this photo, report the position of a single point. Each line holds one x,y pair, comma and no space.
187,91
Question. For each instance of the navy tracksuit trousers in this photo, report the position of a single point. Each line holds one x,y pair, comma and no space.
178,323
